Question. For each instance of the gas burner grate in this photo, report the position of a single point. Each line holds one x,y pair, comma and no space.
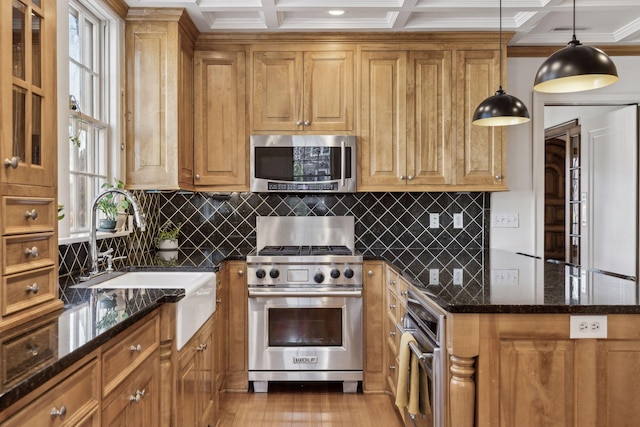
304,250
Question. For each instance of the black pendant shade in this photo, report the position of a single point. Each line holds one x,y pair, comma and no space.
500,109
575,68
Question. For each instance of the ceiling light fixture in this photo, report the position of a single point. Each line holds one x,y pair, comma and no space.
575,68
500,109
336,12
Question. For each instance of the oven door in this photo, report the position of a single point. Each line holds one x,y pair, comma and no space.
302,164
305,332
430,362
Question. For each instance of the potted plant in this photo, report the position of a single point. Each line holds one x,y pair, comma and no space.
167,239
111,205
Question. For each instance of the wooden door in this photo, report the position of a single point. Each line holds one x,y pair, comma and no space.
221,140
277,91
429,119
187,386
373,323
237,378
206,378
328,91
480,150
383,129
28,136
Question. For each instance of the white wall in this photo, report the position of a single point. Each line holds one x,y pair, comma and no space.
521,151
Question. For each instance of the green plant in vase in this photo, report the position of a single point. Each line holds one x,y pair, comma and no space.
110,205
167,238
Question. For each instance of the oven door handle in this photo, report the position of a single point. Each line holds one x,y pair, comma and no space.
343,164
257,293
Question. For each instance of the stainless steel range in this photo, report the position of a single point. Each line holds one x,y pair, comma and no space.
305,302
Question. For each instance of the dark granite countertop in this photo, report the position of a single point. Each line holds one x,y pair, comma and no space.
496,281
83,324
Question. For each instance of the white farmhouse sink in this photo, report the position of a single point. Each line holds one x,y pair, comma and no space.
193,310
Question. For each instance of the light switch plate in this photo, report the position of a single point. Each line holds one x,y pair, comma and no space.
458,220
505,220
457,276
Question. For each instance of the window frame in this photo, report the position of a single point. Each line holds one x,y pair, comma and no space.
111,90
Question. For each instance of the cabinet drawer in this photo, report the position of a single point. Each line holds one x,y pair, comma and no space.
28,215
392,371
28,252
78,394
128,352
25,352
25,290
393,305
393,334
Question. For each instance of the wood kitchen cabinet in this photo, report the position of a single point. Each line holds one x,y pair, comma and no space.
396,307
196,392
221,146
373,327
29,260
237,363
159,96
415,119
525,370
308,89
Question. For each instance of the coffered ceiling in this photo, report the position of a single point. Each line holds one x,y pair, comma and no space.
535,22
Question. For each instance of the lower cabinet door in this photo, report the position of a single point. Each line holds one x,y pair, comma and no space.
136,402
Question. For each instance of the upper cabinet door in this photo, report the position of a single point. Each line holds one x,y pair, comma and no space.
480,160
383,121
328,91
277,91
303,91
27,88
429,118
221,139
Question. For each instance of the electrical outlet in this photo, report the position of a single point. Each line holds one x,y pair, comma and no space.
588,327
434,220
458,220
505,220
434,276
457,276
504,277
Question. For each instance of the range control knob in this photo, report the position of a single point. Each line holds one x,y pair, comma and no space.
335,273
319,277
260,273
348,273
274,273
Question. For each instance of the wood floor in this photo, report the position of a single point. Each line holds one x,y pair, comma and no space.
308,405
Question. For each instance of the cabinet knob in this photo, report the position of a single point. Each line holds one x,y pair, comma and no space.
410,177
402,177
370,273
403,293
392,282
197,176
299,123
201,347
392,367
137,348
32,214
307,122
31,251
218,301
137,396
392,334
498,177
33,349
55,412
392,306
12,163
240,272
32,288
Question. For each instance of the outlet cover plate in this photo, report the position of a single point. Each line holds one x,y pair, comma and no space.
458,220
588,326
434,276
434,220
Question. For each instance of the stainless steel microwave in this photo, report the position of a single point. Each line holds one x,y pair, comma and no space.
303,164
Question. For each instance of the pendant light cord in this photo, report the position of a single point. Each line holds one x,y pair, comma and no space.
574,41
500,82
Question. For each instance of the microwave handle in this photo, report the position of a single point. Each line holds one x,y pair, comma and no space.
343,164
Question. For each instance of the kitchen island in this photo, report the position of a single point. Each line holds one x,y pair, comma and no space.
530,342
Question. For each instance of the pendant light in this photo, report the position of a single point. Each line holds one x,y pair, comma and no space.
575,68
500,109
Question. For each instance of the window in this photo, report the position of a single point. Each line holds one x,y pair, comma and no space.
91,148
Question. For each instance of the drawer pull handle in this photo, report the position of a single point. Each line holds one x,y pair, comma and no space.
137,397
33,214
137,348
55,412
201,347
13,162
33,349
33,288
403,293
31,251
392,333
392,306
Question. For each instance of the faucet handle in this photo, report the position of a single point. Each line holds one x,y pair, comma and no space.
110,259
105,253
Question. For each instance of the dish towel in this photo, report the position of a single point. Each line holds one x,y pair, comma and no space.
407,392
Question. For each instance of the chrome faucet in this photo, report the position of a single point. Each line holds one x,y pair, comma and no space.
94,255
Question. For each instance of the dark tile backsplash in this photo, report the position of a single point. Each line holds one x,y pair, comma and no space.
225,224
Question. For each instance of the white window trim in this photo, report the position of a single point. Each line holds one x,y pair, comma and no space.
114,114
